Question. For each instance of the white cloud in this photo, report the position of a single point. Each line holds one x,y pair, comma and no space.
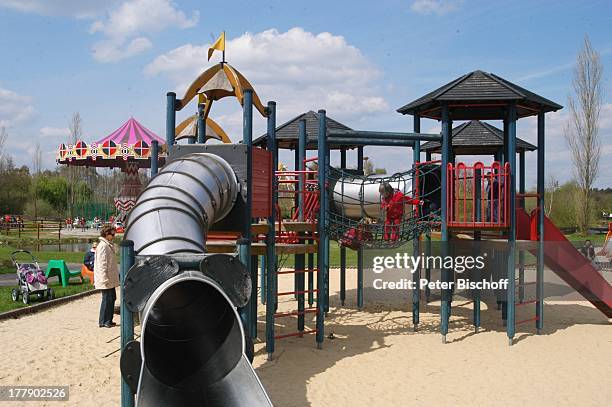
126,28
111,51
14,108
73,8
54,132
299,70
438,7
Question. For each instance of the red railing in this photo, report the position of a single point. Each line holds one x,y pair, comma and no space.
288,190
477,195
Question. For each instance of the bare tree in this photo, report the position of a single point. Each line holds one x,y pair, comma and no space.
552,184
76,127
3,154
76,132
582,129
37,159
36,170
368,166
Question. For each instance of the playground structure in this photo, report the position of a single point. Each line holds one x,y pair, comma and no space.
210,201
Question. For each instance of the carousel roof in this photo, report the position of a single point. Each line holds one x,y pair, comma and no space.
129,144
131,132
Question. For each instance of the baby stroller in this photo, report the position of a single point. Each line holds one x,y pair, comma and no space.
30,279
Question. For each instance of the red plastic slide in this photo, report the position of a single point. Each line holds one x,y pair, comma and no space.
567,262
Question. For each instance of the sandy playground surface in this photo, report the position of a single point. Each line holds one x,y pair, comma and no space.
375,359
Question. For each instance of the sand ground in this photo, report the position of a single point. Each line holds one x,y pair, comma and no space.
374,358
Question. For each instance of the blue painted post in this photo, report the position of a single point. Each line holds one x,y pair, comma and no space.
416,276
322,226
300,259
506,140
540,271
445,150
170,119
271,238
301,156
521,279
253,303
244,255
342,248
427,247
477,246
511,159
262,279
327,167
360,250
311,275
245,245
154,157
296,203
201,124
127,319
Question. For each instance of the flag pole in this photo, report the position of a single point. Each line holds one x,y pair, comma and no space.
223,58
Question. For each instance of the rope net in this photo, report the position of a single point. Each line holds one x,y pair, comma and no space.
359,219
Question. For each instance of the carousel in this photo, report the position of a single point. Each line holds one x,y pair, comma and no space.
127,148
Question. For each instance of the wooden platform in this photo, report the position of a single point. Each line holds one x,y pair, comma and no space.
262,228
259,249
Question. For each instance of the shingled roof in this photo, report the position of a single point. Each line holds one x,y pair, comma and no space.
479,95
287,134
477,138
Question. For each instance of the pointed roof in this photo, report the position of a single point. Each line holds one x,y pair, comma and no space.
477,138
131,132
189,128
479,95
217,82
287,134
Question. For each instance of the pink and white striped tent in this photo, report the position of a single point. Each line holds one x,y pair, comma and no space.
130,133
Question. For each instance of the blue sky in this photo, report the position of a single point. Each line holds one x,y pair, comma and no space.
360,60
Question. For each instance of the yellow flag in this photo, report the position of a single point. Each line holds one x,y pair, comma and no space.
218,45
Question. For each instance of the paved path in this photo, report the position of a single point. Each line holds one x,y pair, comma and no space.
7,280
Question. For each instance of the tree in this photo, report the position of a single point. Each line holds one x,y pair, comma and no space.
582,129
6,162
53,189
552,185
14,190
36,168
368,166
76,132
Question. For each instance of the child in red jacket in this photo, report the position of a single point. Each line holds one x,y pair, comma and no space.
392,203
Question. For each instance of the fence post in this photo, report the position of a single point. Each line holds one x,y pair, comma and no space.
37,231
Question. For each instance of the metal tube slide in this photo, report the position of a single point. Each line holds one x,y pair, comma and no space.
192,349
174,211
358,197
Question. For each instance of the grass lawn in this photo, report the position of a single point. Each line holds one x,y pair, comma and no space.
7,270
43,257
7,304
597,240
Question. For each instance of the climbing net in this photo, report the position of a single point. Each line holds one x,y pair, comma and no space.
356,217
